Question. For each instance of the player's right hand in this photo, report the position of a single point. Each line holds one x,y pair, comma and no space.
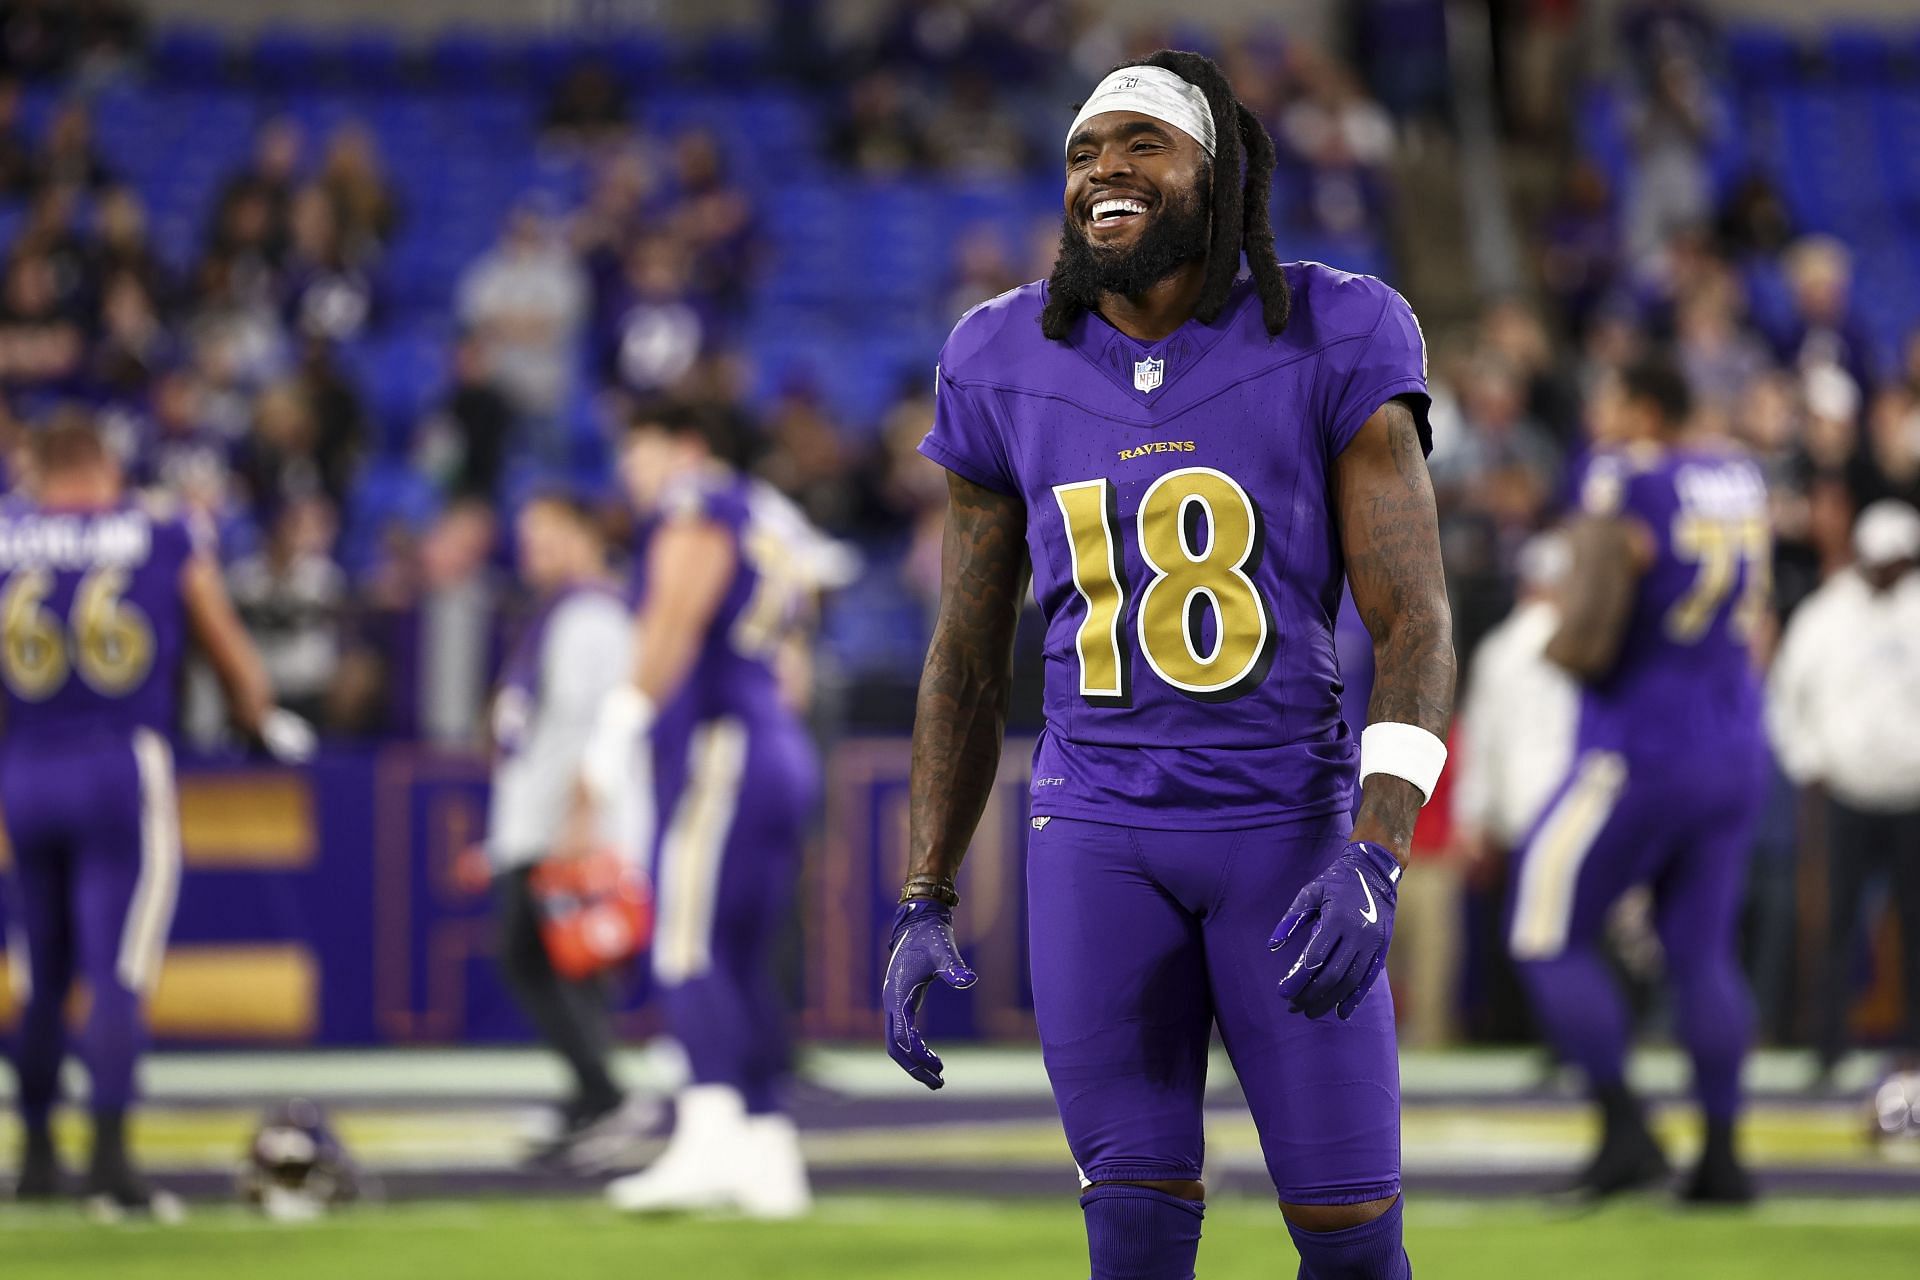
287,737
922,949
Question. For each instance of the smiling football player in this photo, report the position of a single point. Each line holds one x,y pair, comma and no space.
1188,461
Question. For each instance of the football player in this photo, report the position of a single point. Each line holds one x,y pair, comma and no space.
1669,582
1188,462
100,598
722,581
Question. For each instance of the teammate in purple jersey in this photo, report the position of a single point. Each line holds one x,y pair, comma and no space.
99,599
1187,463
724,584
1669,582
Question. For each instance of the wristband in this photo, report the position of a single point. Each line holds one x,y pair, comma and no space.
930,889
1404,750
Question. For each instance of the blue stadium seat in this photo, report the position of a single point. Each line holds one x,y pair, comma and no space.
188,53
286,57
1762,56
371,58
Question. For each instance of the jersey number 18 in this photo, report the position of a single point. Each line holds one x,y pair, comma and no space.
1187,585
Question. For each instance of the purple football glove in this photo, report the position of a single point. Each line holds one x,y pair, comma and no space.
923,949
1351,905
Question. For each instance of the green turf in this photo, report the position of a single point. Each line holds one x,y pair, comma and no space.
851,1238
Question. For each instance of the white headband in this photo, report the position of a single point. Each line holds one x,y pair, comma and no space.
1156,92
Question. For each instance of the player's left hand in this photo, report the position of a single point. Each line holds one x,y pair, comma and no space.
1350,905
923,949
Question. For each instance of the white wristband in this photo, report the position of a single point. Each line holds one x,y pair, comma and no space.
1405,751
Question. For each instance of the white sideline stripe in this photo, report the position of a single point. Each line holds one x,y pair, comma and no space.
143,939
694,850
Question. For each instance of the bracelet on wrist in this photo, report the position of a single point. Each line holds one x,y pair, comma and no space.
930,888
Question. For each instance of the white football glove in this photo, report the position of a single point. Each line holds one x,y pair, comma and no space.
287,738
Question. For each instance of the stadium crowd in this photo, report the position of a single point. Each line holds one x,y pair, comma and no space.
222,382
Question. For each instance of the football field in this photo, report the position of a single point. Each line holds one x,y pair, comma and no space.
851,1237
974,1182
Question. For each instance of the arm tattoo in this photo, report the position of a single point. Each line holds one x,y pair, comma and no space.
962,711
1598,599
1390,534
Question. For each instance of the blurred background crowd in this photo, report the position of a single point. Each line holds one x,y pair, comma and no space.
355,297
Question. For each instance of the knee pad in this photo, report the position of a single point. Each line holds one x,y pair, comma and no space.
1138,1233
1370,1251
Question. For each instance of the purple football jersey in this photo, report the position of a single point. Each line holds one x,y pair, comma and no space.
1184,545
92,625
1684,677
734,674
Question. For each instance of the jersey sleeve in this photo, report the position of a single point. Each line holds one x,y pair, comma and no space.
1391,361
965,439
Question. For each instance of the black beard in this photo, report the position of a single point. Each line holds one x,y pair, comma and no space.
1177,235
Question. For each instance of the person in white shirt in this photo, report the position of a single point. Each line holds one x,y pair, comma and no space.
1843,711
1517,720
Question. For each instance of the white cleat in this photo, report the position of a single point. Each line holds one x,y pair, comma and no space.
702,1165
774,1182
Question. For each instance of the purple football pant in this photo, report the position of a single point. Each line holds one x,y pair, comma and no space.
729,862
96,856
1683,825
1142,941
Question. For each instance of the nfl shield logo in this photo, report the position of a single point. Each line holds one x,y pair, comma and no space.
1147,374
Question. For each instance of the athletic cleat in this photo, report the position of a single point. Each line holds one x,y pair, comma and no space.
776,1186
1630,1159
610,1140
706,1162
41,1176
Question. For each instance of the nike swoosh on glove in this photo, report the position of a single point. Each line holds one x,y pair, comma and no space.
922,949
1350,906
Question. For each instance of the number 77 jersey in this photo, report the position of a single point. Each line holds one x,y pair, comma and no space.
1185,549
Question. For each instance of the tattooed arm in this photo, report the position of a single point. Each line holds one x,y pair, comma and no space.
1391,537
1609,555
962,710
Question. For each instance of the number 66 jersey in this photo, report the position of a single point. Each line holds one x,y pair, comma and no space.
92,626
1185,549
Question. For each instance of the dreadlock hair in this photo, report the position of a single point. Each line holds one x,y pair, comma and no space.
1242,222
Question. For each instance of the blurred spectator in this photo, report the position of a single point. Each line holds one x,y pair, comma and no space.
1517,714
365,212
1844,713
1673,129
1823,329
657,332
327,294
1513,331
713,220
290,595
133,343
808,457
183,455
340,421
1754,221
53,233
458,616
974,133
880,131
279,458
121,246
16,153
41,343
266,186
1579,247
1893,447
526,299
67,155
588,108
1719,358
463,444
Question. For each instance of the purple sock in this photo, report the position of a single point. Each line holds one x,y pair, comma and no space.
1138,1233
1579,1008
1370,1251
